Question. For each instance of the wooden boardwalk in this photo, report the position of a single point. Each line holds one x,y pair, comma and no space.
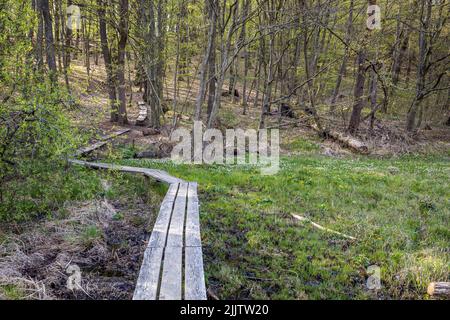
103,141
158,175
174,252
172,267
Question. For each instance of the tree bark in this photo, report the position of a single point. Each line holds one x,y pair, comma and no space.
425,17
224,65
398,60
108,61
246,9
123,38
439,289
343,66
208,59
49,40
39,49
359,102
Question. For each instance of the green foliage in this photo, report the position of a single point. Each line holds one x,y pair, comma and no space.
11,292
44,189
35,134
302,145
90,235
118,216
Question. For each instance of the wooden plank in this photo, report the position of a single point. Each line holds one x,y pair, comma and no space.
192,234
148,281
103,141
162,176
176,230
157,174
160,230
172,274
91,148
116,134
195,288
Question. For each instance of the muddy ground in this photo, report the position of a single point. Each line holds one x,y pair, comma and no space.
105,239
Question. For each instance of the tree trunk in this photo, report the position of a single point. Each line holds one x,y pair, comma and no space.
39,50
224,65
57,10
49,41
373,92
359,102
208,59
398,62
123,38
108,61
212,78
67,49
345,58
246,9
265,107
439,289
425,17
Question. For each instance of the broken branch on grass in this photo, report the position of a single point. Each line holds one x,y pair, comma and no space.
303,219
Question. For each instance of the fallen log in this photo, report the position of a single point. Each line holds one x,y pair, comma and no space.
345,140
439,289
318,226
349,142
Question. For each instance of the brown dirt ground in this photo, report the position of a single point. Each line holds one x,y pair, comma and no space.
106,240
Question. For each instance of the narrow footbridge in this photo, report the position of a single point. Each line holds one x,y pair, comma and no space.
172,267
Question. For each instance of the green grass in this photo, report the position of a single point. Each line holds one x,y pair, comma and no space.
397,209
302,145
44,190
11,292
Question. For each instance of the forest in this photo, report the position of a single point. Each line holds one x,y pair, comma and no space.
355,93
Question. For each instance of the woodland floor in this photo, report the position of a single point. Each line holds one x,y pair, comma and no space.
104,236
395,202
388,137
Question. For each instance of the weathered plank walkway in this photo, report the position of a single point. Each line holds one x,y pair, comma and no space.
158,175
172,267
103,141
174,253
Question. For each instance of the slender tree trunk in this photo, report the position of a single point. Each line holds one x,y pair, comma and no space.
359,101
207,58
87,47
57,10
265,108
49,40
425,17
39,50
175,76
123,38
373,93
108,61
224,64
358,93
246,8
212,78
343,66
398,61
67,48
